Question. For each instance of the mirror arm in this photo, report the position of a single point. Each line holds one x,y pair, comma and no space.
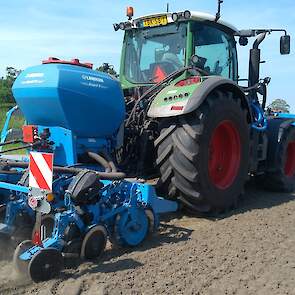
255,32
259,40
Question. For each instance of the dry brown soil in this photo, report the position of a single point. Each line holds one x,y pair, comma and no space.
250,250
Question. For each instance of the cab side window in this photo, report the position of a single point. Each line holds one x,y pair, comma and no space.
216,49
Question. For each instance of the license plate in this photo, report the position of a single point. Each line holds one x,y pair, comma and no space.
156,21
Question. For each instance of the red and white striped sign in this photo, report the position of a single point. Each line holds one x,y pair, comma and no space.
41,170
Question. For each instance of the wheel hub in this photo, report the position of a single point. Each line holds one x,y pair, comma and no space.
131,229
45,265
290,160
224,155
94,242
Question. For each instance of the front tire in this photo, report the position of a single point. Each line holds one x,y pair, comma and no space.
203,157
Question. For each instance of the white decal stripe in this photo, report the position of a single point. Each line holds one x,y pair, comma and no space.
32,181
44,168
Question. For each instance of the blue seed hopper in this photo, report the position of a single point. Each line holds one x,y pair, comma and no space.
83,108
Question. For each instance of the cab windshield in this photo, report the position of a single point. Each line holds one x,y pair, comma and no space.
154,53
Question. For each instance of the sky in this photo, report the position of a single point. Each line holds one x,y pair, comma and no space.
31,31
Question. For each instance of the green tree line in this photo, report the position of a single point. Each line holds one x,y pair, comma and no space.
6,84
280,106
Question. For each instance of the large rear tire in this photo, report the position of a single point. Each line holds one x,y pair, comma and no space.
282,179
203,157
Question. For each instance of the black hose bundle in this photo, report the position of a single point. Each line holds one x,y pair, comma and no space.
104,160
65,170
100,160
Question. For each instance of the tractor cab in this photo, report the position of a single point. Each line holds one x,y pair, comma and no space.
187,116
157,45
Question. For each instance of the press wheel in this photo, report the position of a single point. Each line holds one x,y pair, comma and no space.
94,243
131,230
21,266
71,253
45,265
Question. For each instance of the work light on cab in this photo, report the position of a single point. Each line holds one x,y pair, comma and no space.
175,17
130,12
187,14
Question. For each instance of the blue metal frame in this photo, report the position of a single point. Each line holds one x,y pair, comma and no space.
260,121
19,203
14,187
119,197
8,179
147,193
287,116
67,146
5,129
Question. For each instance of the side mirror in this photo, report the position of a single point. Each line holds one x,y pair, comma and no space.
285,44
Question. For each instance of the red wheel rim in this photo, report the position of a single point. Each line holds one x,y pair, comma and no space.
290,160
224,155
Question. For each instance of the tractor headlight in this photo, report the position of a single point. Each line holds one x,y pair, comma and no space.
175,17
187,14
181,15
122,26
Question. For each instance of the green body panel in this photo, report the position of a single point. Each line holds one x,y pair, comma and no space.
172,94
171,101
124,82
189,44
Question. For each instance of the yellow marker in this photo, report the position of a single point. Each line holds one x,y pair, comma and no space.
50,197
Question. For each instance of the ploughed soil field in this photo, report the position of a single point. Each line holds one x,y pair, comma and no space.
250,250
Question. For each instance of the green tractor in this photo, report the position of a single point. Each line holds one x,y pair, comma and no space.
189,123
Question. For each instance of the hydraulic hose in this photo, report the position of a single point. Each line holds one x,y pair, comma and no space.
11,142
261,121
100,160
155,87
10,172
101,175
16,149
31,145
66,170
111,162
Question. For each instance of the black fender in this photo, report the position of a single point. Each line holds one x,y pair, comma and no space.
276,128
216,83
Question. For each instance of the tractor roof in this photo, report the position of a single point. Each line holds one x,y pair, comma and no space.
209,17
196,15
